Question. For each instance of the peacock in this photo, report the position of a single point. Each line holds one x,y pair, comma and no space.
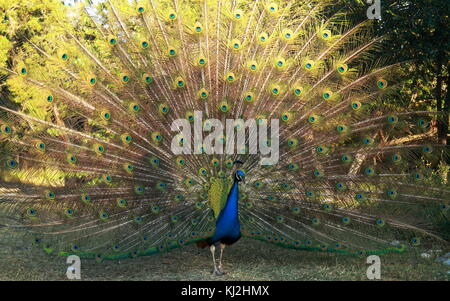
94,162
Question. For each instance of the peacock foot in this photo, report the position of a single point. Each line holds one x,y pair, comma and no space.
217,272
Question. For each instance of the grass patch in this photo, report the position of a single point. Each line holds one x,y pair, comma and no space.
246,260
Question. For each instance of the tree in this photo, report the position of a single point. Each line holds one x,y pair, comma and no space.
420,33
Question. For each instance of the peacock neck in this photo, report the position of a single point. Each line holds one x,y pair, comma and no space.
231,206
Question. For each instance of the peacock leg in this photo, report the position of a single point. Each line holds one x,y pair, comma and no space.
213,250
215,271
222,247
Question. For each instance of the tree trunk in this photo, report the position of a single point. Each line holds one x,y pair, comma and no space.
446,120
442,131
447,108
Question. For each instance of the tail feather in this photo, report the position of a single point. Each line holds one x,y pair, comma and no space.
86,142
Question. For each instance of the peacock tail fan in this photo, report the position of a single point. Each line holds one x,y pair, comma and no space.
86,137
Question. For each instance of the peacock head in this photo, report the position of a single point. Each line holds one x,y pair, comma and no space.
239,176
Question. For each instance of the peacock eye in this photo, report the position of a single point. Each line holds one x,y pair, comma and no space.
381,83
41,146
12,163
65,56
369,171
23,71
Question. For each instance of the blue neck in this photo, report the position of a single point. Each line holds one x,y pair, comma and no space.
227,224
230,211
